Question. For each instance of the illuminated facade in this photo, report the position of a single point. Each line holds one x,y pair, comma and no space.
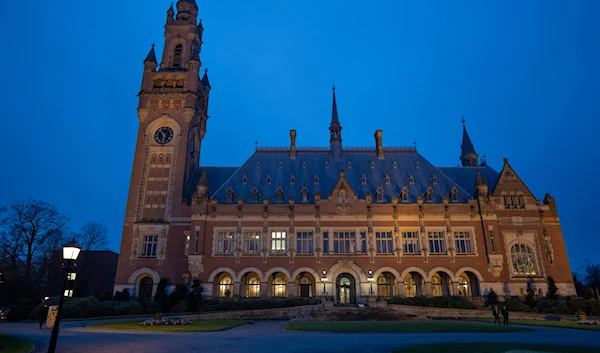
352,223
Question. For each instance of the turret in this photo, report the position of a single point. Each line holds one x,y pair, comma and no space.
187,10
481,187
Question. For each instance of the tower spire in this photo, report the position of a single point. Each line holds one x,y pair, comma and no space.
335,129
468,156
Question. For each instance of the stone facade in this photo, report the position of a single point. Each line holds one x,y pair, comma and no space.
345,223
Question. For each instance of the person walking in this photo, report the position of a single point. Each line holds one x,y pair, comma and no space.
43,313
496,314
505,315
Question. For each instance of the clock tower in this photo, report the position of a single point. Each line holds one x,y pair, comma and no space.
172,111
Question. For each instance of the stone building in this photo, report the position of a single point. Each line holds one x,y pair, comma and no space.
340,221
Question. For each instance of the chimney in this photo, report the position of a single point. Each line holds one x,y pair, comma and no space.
292,144
378,144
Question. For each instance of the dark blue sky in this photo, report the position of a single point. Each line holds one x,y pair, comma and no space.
524,74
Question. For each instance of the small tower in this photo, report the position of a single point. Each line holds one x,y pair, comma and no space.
481,186
468,157
335,129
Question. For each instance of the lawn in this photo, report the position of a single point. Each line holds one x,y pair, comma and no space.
14,345
195,326
492,348
398,326
550,323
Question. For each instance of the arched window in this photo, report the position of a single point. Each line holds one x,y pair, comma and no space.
145,290
404,194
244,180
410,286
304,195
292,180
280,165
169,82
160,159
523,260
226,286
454,195
158,82
153,159
363,180
316,180
180,82
434,180
168,159
436,285
279,286
279,195
387,180
384,288
268,180
429,195
411,179
177,53
379,195
252,286
463,287
349,165
372,165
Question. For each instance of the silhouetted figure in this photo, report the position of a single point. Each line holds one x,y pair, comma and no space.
43,313
505,315
496,314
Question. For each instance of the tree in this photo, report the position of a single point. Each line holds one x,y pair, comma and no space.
161,296
492,298
591,275
552,289
92,236
195,296
587,292
31,229
578,284
530,297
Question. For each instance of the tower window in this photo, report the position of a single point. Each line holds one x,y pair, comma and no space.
153,158
170,82
158,83
160,159
168,159
180,82
177,53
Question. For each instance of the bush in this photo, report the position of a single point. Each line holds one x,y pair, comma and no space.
195,296
151,307
161,296
180,293
123,295
180,307
105,308
556,307
516,305
18,313
455,302
587,292
552,289
128,308
492,298
530,297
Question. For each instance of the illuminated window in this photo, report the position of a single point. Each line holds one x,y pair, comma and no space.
436,285
68,293
225,242
410,286
158,82
437,242
463,287
180,82
169,82
304,242
523,260
279,286
186,249
410,243
149,245
384,285
462,242
343,242
252,242
71,276
383,241
226,286
252,286
278,241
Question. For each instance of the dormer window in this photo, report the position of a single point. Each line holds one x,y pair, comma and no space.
279,195
395,165
316,180
404,194
244,180
280,165
254,195
326,165
434,180
304,195
292,180
303,165
177,53
372,165
268,180
349,165
454,195
258,165
429,195
379,195
411,180
363,180
229,195
387,180
418,165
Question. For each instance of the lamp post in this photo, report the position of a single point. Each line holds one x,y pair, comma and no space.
2,281
324,279
371,280
70,253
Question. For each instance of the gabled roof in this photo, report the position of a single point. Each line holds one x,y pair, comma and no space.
466,177
309,165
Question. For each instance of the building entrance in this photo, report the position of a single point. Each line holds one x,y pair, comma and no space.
346,289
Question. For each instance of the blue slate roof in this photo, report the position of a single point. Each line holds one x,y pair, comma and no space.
398,165
466,176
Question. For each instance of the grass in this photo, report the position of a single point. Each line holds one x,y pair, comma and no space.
549,323
14,345
195,326
492,348
398,326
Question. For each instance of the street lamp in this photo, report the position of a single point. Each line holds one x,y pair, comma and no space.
70,253
324,279
2,278
371,280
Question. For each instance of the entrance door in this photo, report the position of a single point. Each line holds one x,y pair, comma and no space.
345,289
305,290
145,292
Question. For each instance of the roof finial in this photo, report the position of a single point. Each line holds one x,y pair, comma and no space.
415,143
463,121
333,86
153,45
256,145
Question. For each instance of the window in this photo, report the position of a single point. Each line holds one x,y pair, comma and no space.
372,165
177,53
280,165
229,195
429,195
379,195
158,83
149,245
304,195
462,242
384,243
387,180
279,286
226,287
363,180
304,242
258,165
225,242
303,165
292,180
418,165
153,159
514,201
342,242
523,260
349,165
434,180
384,285
169,82
279,195
437,242
410,286
326,165
493,240
244,180
411,180
436,285
363,242
186,248
252,286
454,195
268,180
316,180
71,276
68,293
404,194
252,242
254,195
278,241
410,243
395,165
463,287
326,242
180,82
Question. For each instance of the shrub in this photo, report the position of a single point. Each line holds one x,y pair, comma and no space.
151,307
552,306
161,296
194,296
492,298
180,307
131,307
180,293
552,289
516,305
104,308
530,297
19,312
123,295
456,302
587,292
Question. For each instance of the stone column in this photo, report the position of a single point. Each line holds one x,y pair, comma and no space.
401,291
428,290
263,290
454,288
237,291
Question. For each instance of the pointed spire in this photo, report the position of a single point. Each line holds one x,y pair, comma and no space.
334,113
479,181
468,155
205,80
202,186
335,129
151,55
481,186
203,179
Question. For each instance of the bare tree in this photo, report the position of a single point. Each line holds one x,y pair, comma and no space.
92,236
31,229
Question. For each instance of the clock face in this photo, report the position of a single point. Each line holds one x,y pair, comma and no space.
163,135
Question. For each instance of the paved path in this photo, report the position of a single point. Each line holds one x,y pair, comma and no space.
270,337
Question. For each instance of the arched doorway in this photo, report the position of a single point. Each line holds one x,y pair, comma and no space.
305,282
278,285
385,285
145,291
468,285
414,285
440,284
346,289
225,289
251,283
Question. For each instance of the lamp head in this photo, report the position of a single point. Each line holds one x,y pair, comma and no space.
71,251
